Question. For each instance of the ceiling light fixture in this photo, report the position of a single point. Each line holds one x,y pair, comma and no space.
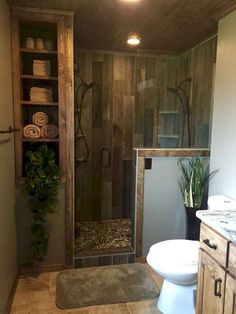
133,40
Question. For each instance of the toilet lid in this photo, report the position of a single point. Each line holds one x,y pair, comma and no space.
181,252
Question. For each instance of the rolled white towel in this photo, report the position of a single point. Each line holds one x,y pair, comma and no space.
40,118
49,131
31,131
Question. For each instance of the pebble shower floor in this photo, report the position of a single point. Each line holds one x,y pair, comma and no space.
103,235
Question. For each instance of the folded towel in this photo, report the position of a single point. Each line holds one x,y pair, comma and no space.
31,131
41,94
49,131
41,67
40,118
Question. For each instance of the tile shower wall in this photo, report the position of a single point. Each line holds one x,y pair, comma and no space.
199,64
123,111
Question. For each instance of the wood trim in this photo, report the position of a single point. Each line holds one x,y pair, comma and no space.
180,152
16,96
61,95
139,205
34,16
141,53
139,189
42,11
41,269
225,12
12,294
70,160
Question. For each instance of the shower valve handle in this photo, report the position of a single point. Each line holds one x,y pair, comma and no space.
105,159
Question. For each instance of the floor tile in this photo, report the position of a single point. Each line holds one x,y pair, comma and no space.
20,309
139,307
36,295
53,277
30,283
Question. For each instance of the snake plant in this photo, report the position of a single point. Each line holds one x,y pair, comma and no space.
193,181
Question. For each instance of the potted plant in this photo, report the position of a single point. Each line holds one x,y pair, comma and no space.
43,176
193,183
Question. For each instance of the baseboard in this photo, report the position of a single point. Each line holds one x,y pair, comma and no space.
12,294
41,269
141,259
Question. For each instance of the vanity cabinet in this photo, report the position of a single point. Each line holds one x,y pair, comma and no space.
216,286
230,295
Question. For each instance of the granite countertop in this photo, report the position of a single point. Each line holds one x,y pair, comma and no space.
223,221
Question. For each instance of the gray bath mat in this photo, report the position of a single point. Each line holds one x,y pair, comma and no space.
104,285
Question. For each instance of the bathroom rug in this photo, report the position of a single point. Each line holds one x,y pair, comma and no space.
104,285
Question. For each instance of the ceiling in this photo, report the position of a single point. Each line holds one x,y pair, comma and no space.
166,26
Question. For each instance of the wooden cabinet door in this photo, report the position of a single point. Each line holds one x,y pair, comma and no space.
211,283
230,295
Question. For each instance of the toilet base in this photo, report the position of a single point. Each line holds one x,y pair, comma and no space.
177,298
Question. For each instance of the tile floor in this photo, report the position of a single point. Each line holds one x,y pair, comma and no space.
36,295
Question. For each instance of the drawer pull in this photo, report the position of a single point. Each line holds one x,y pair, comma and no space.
217,288
209,244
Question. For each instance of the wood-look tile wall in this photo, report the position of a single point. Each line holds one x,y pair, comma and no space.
104,181
123,111
199,64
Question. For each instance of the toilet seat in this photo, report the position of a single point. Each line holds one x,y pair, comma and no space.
175,253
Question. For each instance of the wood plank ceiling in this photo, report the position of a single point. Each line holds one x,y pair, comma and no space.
167,26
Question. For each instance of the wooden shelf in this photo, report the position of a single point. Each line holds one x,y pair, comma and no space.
38,77
38,51
168,112
40,140
38,103
168,136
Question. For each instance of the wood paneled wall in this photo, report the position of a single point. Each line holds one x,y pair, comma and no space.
198,64
103,192
123,111
153,75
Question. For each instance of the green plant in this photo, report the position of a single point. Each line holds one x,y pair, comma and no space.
193,181
43,176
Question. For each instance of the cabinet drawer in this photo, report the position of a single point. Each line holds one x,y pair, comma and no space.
214,244
232,259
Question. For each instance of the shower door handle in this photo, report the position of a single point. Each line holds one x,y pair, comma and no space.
105,159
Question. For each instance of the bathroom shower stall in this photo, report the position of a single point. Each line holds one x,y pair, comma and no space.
129,103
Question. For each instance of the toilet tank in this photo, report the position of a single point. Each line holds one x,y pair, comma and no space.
221,202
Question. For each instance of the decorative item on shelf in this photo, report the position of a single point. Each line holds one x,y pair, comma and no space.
40,118
49,131
42,181
40,94
29,43
39,43
193,183
48,44
31,131
41,67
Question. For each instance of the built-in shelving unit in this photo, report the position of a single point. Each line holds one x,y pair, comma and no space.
42,59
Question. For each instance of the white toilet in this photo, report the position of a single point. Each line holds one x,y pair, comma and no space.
177,262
